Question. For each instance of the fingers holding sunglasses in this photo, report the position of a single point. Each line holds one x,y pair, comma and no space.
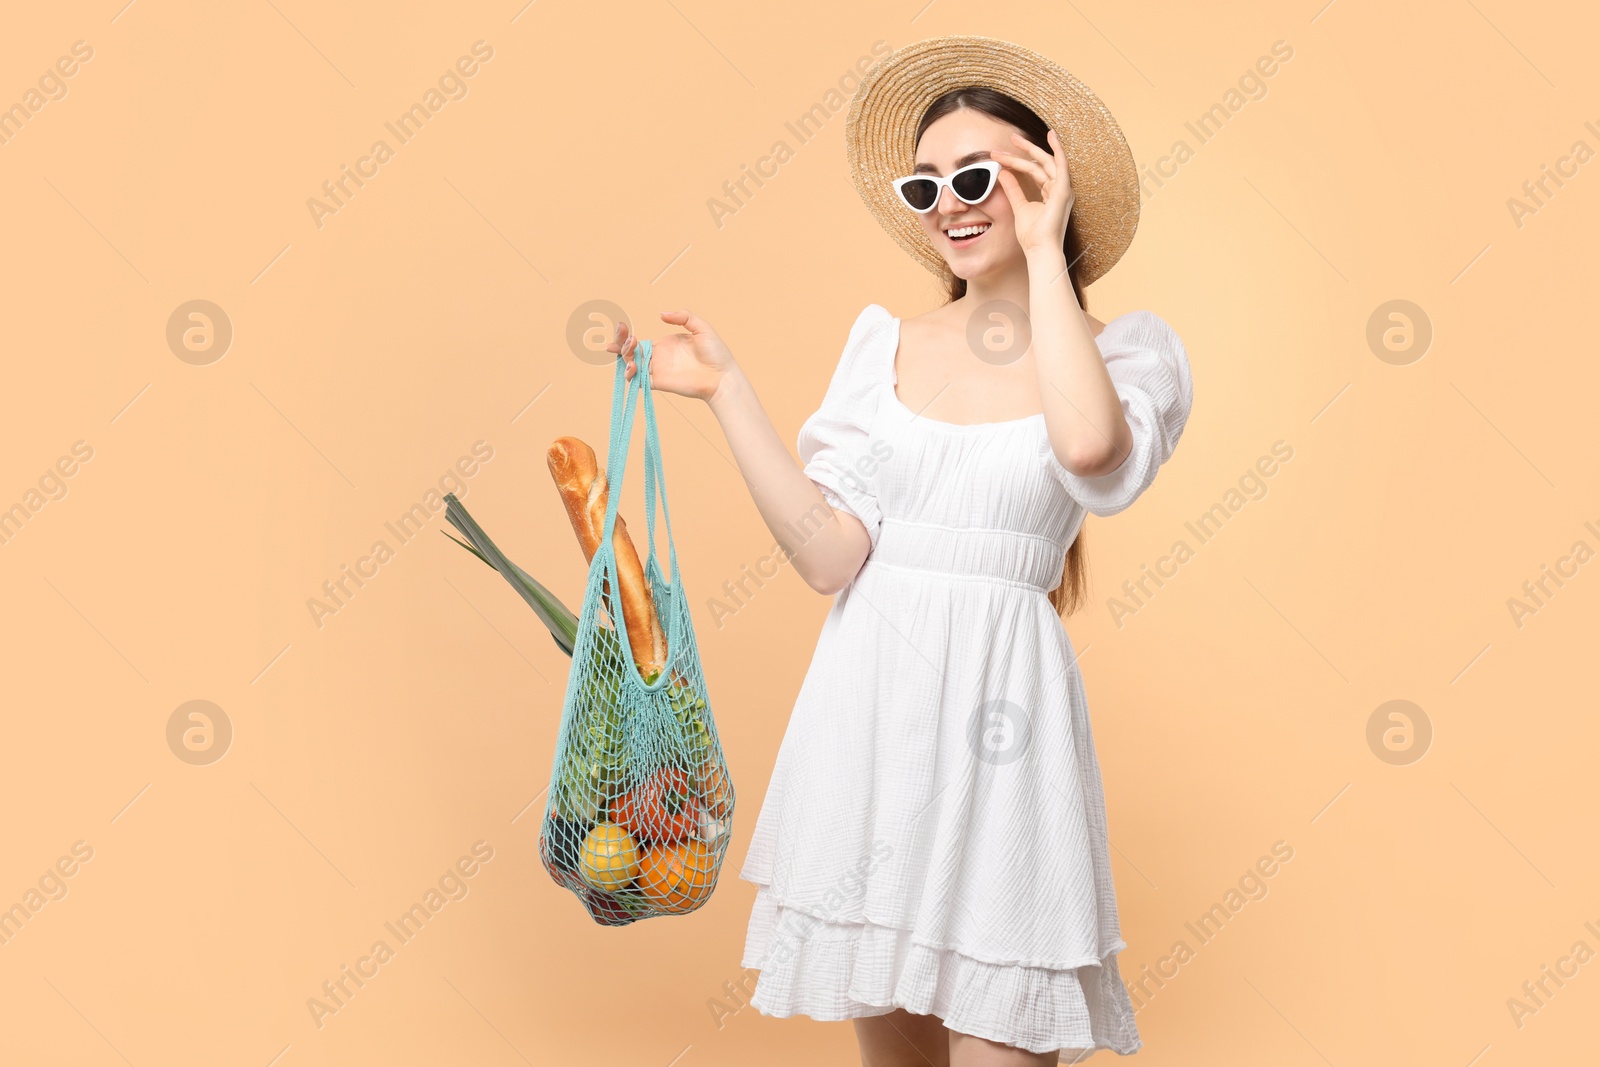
1061,172
1064,170
1038,165
1015,165
1045,160
1016,194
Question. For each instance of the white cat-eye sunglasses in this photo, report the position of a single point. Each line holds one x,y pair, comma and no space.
972,184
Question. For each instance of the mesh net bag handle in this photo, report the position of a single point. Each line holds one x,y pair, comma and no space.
640,807
616,463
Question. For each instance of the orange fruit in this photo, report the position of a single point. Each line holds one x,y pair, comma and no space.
609,859
677,878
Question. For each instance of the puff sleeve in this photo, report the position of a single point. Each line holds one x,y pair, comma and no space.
1149,368
835,442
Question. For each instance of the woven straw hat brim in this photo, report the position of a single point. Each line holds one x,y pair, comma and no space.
880,139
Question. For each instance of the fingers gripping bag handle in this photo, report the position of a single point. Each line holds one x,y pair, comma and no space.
639,813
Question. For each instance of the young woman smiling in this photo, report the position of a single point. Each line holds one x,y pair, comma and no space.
932,855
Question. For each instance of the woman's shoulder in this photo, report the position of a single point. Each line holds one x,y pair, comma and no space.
872,319
1141,347
874,314
862,353
1142,329
867,333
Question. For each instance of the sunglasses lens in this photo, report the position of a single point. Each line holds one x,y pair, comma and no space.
972,185
920,193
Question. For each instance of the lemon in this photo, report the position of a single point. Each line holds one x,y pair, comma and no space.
610,858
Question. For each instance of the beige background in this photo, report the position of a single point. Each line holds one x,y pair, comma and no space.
370,752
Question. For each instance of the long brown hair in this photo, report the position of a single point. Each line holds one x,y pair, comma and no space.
1068,596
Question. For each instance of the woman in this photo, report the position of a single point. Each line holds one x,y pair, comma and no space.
932,854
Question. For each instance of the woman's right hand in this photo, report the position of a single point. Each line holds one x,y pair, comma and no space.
690,364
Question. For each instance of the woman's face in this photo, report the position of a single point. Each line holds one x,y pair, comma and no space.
948,144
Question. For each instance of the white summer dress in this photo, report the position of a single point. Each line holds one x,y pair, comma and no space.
934,836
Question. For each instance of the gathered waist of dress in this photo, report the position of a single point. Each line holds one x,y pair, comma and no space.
1005,556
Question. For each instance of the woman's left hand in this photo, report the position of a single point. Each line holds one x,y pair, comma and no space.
1042,223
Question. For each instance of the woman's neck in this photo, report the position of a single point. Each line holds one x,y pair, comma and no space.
1008,282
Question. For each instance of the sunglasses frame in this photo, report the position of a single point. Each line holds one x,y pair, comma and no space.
990,165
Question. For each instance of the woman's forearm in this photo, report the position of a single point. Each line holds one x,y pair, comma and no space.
1082,412
826,547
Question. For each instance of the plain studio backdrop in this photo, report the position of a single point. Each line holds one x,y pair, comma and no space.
1371,225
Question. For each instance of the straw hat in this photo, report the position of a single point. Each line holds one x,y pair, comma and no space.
880,139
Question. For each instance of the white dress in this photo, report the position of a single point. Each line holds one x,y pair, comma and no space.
934,835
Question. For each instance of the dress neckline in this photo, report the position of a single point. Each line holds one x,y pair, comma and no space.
894,378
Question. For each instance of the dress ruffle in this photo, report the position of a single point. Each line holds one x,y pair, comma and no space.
832,971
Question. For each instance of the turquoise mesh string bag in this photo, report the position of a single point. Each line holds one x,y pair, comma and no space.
640,808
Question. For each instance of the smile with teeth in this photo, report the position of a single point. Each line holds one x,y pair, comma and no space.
966,233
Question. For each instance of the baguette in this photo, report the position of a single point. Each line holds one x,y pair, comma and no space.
584,493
